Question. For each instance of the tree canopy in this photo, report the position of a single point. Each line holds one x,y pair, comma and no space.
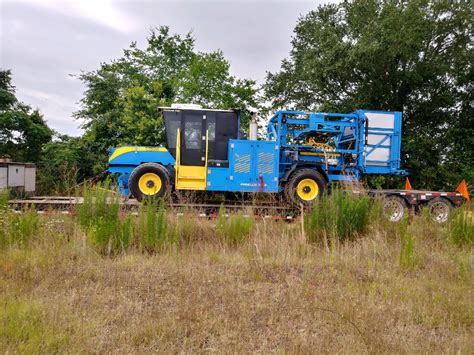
23,131
410,56
121,101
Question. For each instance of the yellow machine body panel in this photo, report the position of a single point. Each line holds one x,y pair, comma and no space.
189,177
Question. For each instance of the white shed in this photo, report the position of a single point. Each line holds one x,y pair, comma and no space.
20,178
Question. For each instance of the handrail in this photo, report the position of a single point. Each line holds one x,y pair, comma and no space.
207,155
178,155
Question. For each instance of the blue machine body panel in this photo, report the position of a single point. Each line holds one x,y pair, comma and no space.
253,167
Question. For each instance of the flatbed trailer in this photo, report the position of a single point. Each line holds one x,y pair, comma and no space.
397,202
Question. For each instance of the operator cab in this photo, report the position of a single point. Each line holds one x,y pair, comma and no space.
221,126
198,139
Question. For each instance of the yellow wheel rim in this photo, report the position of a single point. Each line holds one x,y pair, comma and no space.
149,184
307,189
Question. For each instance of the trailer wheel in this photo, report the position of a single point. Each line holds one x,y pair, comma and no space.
394,208
148,181
439,209
305,187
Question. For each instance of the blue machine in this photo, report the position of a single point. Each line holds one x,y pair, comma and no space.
303,151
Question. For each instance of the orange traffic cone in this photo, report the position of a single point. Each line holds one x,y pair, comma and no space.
407,184
462,189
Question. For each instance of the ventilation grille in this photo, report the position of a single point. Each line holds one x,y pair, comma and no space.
242,163
265,163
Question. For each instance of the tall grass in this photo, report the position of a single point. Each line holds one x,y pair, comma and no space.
99,217
153,225
25,330
16,229
338,216
407,245
461,227
4,223
233,229
98,202
4,195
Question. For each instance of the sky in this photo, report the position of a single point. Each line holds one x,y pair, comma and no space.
46,43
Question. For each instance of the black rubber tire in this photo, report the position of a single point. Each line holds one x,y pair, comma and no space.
290,188
399,202
444,214
155,168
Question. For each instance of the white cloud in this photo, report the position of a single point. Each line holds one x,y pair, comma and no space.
103,12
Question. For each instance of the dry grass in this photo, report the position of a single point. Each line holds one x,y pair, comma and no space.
270,291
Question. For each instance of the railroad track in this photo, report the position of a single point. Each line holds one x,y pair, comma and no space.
210,209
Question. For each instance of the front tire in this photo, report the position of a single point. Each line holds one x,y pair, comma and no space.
148,181
305,187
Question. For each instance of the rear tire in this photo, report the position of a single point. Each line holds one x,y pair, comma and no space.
305,187
148,181
439,209
394,208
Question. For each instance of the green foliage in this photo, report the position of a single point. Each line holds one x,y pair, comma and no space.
153,225
122,97
65,162
4,220
233,229
23,131
339,216
99,217
407,244
18,229
411,56
25,330
461,227
4,197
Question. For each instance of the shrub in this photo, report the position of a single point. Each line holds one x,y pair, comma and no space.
340,215
461,227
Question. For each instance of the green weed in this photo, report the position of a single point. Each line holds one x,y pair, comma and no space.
4,221
20,228
25,330
407,245
339,215
4,196
153,225
234,228
461,227
99,216
97,202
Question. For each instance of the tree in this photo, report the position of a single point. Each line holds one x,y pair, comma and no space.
121,101
64,162
412,56
23,132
